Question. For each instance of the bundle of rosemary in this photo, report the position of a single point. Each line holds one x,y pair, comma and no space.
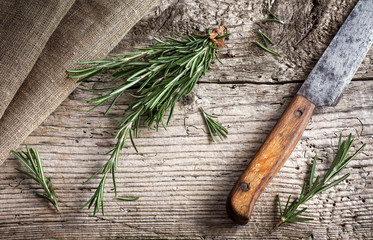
161,74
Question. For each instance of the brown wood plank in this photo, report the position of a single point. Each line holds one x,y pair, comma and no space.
183,179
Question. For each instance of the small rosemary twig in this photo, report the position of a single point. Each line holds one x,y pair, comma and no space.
31,160
213,126
274,19
264,45
290,213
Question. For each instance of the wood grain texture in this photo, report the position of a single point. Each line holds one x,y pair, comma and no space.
182,178
270,157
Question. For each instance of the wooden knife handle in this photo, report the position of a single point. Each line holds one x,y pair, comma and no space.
269,159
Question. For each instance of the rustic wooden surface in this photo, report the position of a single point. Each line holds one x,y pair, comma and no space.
182,178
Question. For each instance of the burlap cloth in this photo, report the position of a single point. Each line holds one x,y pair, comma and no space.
89,30
25,27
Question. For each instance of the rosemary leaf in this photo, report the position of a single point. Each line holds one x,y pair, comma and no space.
265,37
32,161
267,49
290,213
273,19
127,198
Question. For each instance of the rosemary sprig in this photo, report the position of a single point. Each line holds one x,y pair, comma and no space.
290,213
273,19
213,126
161,74
31,160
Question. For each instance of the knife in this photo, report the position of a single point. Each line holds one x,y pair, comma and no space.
323,87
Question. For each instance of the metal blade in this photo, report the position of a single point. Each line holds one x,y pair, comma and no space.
340,61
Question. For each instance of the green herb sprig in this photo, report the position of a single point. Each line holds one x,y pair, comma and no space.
315,186
160,74
213,126
31,160
273,19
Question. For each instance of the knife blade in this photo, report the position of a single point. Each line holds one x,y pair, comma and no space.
323,87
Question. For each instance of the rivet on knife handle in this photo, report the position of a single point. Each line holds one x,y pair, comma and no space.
269,159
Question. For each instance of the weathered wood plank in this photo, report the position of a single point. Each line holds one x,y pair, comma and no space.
182,178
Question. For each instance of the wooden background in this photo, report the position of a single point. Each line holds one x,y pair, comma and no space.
181,177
